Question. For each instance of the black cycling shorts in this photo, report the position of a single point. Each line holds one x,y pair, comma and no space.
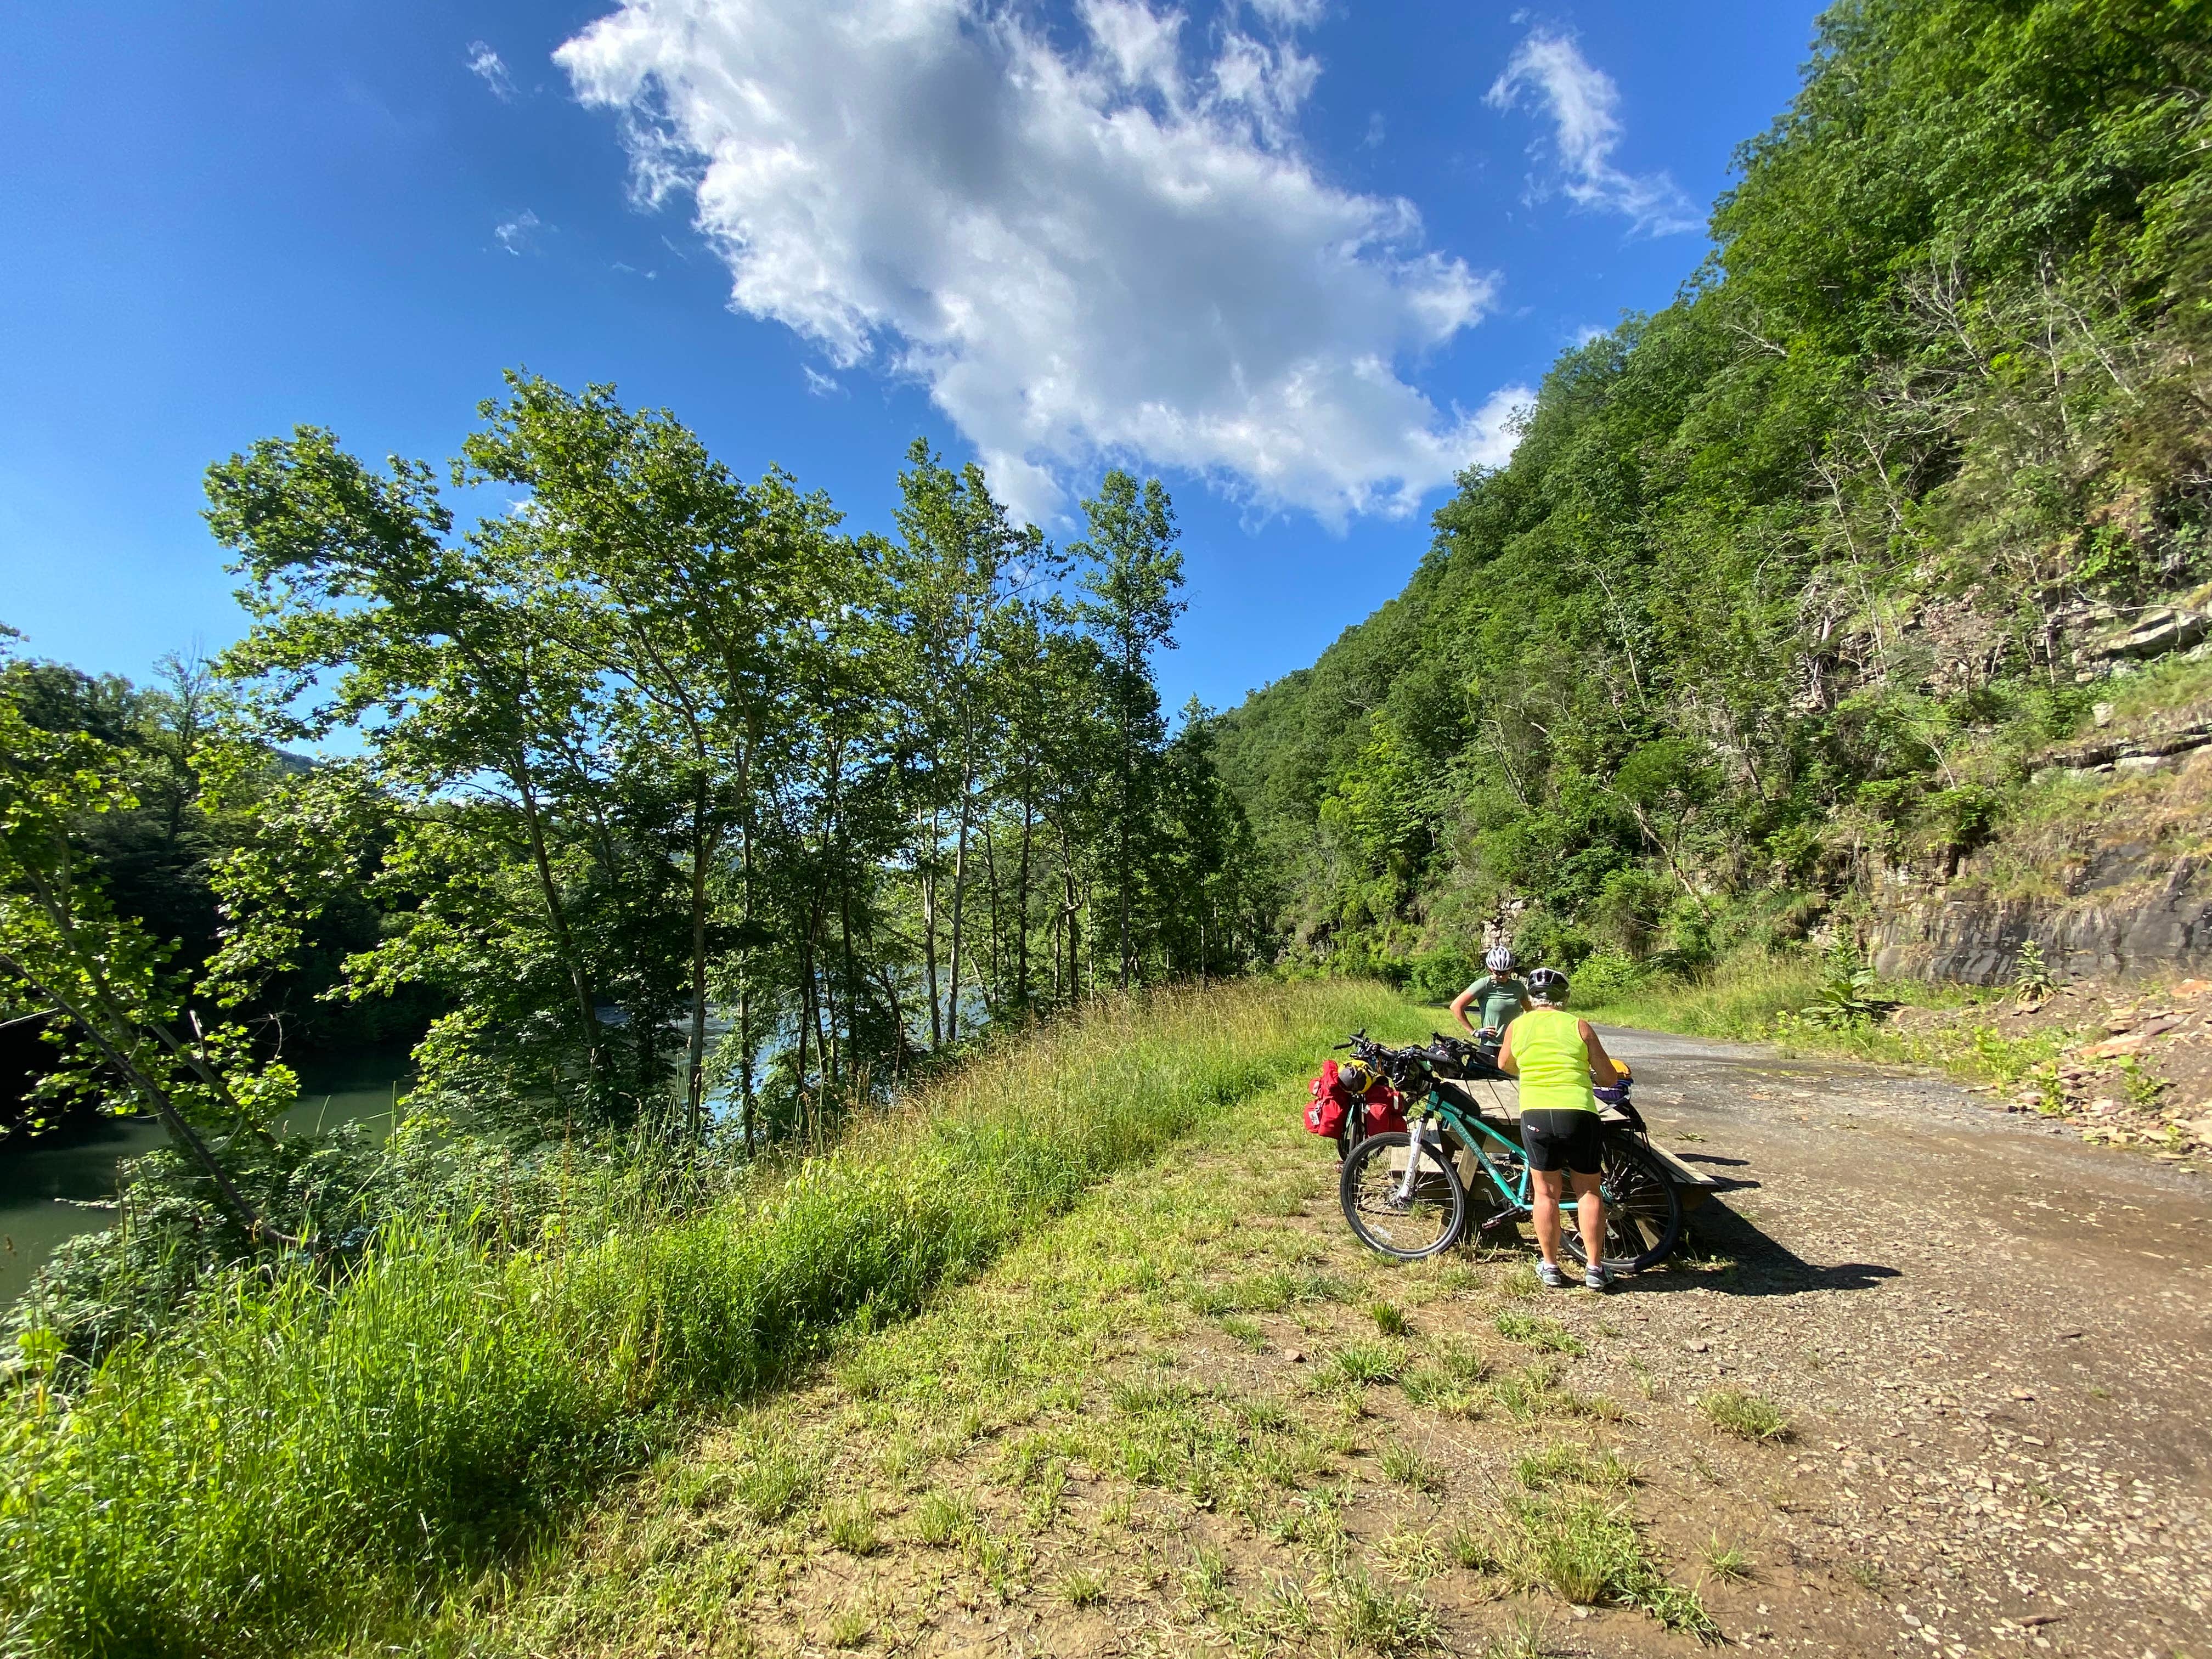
1561,1140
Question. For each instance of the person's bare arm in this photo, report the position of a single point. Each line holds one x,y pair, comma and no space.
1506,1063
1603,1071
1459,1009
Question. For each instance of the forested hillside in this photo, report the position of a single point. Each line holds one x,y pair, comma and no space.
1786,585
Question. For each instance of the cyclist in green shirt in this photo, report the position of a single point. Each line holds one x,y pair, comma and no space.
1499,996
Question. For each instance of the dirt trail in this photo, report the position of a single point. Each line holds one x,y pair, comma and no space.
1998,1345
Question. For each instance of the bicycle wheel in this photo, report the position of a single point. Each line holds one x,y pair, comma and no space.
1388,1218
1642,1215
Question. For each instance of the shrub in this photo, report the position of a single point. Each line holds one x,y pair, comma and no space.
1440,975
1606,975
1546,940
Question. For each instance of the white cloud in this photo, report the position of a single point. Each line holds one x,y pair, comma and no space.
489,66
1108,246
518,235
819,384
1582,100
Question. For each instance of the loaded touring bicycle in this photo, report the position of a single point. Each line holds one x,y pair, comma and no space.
1431,1156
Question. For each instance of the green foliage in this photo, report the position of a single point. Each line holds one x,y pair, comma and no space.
1850,996
1779,584
2032,979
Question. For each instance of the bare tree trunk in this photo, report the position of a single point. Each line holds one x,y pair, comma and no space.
1072,910
929,936
748,1107
829,1059
898,1021
694,1070
557,915
959,898
993,979
1022,913
747,1111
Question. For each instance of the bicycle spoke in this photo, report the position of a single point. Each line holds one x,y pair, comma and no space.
1385,1213
1643,1216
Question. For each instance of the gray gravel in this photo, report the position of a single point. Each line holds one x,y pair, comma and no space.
1994,1342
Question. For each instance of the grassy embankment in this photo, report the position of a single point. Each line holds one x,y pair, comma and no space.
303,1460
1758,997
1192,1414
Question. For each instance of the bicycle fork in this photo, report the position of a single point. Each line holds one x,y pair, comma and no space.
1413,1161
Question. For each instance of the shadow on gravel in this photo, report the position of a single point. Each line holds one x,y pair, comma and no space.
1764,1266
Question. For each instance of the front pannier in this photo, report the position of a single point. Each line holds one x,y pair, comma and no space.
1340,1089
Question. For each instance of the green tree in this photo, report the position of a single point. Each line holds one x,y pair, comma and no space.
1134,576
133,1033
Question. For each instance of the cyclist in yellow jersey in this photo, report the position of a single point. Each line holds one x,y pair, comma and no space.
1558,1057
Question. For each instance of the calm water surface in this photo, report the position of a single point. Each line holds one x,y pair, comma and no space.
43,1189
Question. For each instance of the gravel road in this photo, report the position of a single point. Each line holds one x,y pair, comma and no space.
1994,1343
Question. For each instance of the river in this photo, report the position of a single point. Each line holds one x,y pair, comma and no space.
37,1183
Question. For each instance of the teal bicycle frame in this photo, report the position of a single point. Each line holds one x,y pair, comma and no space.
1472,1129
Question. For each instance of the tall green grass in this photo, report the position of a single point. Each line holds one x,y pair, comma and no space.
1759,996
285,1462
1739,998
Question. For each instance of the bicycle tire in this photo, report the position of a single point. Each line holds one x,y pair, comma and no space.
1367,1189
1642,1212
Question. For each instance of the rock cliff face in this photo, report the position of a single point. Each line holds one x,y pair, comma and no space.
2128,920
2123,884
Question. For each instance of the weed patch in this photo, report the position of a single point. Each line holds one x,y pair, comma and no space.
1745,1416
1408,1468
1588,1552
1725,1561
1533,1332
1380,1622
1572,1465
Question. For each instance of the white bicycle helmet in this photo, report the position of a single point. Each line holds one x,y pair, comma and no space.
1498,959
1548,986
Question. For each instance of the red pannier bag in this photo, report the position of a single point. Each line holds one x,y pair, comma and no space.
1332,1097
1384,1114
1328,1103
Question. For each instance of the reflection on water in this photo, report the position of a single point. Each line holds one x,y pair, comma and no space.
44,1188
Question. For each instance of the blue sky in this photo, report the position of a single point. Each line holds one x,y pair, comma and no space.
1295,255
